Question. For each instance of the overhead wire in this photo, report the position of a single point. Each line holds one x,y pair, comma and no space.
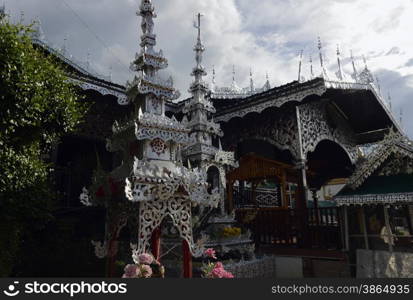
100,40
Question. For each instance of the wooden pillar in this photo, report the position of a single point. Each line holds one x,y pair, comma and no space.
346,232
410,214
110,259
230,196
285,203
388,228
187,260
315,201
362,219
254,185
156,243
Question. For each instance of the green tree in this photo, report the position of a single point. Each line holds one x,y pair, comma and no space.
37,106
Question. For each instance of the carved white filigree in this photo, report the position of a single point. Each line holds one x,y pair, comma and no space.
393,143
280,130
85,198
101,250
390,198
318,89
120,95
315,128
151,214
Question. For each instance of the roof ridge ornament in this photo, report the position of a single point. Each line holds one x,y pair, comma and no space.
339,74
366,77
320,52
355,74
251,82
300,79
311,67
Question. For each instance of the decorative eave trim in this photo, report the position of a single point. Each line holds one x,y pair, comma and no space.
277,102
374,161
121,96
392,198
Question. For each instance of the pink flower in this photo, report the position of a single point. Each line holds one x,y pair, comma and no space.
146,271
145,259
131,271
210,253
227,275
219,272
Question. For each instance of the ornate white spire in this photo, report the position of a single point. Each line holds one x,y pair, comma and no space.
213,79
378,84
320,47
355,74
2,11
198,110
340,74
267,84
251,82
198,88
38,33
320,51
299,66
234,85
147,63
311,67
365,76
390,102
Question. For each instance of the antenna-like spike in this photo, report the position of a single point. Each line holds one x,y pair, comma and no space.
320,47
378,84
311,67
355,73
390,102
339,73
299,66
251,82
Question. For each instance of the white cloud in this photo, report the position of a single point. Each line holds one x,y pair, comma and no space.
265,35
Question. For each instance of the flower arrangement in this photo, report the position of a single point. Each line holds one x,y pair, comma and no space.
214,270
147,267
231,232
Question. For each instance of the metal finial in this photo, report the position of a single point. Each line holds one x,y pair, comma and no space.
339,72
251,82
21,17
213,74
299,66
320,47
233,73
198,26
390,101
311,67
378,84
401,117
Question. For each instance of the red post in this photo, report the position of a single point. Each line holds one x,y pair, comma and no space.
187,264
156,243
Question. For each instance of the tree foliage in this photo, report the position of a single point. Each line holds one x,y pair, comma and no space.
37,105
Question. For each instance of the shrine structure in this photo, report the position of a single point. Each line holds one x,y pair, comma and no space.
259,154
152,174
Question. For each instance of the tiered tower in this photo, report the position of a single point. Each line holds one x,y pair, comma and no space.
157,183
198,115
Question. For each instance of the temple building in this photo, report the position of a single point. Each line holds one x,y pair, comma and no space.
287,164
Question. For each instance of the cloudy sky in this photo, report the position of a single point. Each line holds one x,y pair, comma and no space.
264,35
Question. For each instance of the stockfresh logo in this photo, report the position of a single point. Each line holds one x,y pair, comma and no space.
12,290
71,289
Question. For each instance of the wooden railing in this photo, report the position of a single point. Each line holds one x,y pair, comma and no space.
309,228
